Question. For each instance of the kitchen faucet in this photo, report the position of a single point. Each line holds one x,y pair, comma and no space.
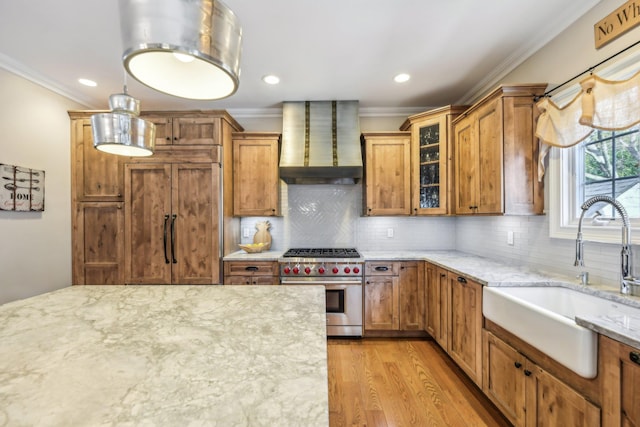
626,269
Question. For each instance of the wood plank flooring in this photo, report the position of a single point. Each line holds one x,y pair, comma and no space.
406,382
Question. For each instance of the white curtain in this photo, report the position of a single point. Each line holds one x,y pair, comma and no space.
600,104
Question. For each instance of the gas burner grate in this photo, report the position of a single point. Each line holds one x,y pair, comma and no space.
322,253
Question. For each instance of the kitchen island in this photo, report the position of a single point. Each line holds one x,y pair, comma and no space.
165,355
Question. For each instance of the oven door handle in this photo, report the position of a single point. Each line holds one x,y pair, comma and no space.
326,283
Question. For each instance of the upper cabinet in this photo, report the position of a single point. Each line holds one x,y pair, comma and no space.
188,128
496,154
432,160
387,173
256,181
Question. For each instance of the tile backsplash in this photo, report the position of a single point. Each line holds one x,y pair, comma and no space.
330,216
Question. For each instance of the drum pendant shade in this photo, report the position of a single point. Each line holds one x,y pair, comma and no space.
185,48
122,132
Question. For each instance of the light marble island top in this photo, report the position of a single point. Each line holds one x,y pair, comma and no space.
165,356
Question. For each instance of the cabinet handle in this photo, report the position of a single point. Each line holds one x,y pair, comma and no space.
443,275
168,138
635,357
164,238
173,239
251,268
381,268
518,365
527,372
462,279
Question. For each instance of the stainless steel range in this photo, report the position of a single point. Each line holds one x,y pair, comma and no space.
340,270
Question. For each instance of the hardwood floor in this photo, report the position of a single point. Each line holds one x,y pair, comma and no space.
407,382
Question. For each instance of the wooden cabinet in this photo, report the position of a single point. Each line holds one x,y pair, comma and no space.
171,223
96,176
182,178
454,317
394,296
437,304
185,128
527,394
465,327
251,273
256,181
621,388
496,154
432,160
387,173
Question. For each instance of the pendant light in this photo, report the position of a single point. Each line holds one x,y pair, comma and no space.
186,48
121,131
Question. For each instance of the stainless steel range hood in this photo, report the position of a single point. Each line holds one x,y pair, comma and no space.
321,143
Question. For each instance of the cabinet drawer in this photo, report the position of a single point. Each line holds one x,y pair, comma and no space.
382,268
248,268
251,280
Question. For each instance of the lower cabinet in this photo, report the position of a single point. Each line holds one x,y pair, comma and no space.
251,273
393,296
528,395
621,394
465,327
454,317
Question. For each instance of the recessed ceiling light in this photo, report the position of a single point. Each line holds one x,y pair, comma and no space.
271,79
402,77
87,82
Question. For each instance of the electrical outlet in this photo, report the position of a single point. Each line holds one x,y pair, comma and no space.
510,238
246,231
389,232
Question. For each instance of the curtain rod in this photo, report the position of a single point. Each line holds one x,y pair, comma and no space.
590,69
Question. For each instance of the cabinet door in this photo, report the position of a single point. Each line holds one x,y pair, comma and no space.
621,373
465,333
98,245
466,161
255,177
387,175
381,303
164,129
411,298
443,322
503,378
147,223
429,139
194,244
431,299
489,139
98,176
550,402
196,131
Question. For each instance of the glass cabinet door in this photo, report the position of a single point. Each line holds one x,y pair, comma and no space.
431,179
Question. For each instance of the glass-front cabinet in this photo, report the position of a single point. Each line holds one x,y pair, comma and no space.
432,161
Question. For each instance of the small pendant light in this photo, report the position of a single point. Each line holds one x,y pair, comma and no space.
186,48
121,131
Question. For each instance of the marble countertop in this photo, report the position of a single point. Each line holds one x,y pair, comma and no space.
260,256
165,355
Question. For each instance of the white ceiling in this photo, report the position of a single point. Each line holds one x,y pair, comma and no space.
454,50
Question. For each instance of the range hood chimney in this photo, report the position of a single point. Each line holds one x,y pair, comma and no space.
321,143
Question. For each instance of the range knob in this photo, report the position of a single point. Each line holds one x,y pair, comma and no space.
335,270
347,270
321,270
356,270
307,270
286,270
296,270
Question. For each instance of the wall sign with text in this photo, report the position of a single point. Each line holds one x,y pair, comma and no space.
21,189
617,23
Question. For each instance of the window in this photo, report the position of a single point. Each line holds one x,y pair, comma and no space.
606,163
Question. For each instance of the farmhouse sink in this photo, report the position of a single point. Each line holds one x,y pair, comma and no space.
544,316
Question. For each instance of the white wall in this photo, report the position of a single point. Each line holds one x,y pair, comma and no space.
35,248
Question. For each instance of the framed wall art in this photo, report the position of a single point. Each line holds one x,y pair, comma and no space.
21,189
